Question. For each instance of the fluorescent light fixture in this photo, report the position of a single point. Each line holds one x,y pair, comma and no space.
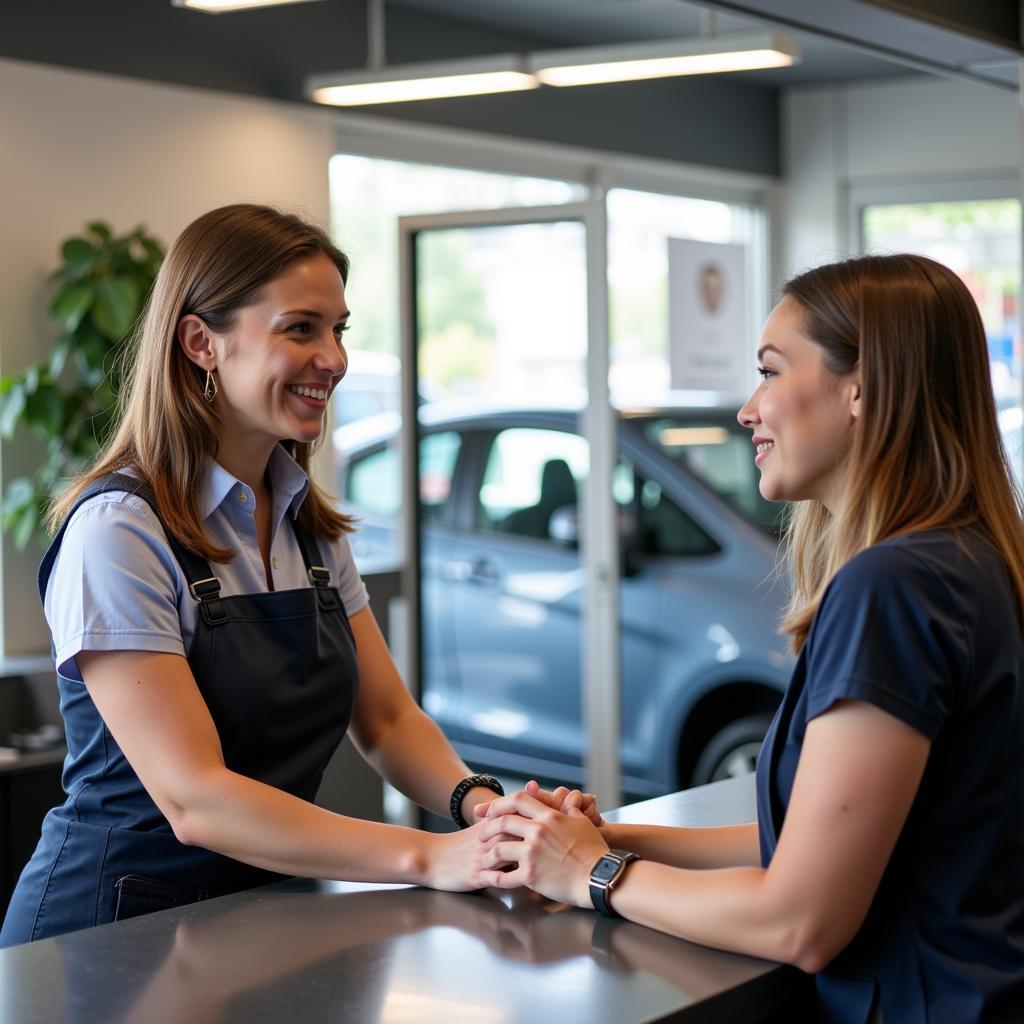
222,6
400,83
703,55
579,66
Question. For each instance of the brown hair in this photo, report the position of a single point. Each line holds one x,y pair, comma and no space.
926,451
165,428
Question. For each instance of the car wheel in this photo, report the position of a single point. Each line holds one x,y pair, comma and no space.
731,751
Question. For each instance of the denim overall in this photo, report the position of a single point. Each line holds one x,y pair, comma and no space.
279,674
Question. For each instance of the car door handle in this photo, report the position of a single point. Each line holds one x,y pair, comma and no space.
481,571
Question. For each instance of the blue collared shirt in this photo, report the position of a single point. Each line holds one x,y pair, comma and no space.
116,586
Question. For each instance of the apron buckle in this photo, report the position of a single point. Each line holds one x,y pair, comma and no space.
203,590
319,576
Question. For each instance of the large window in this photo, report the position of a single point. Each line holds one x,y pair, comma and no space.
500,323
980,240
640,225
463,309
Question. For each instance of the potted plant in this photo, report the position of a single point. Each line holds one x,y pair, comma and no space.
68,399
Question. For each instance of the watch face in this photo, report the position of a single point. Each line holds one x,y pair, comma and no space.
606,868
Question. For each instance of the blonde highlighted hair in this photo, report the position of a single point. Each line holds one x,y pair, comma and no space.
165,427
926,451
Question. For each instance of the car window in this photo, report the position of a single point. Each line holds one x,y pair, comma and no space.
651,523
665,529
373,482
438,453
530,474
719,453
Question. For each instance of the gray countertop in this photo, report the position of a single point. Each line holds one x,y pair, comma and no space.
308,951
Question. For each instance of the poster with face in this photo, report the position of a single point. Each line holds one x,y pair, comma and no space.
707,316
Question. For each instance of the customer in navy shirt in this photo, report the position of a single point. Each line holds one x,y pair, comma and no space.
888,854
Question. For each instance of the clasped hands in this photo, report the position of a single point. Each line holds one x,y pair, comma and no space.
548,841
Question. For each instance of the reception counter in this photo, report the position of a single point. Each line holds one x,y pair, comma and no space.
307,951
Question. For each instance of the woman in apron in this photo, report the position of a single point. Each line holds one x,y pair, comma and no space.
211,635
888,853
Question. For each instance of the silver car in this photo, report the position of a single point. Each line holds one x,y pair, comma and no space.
702,665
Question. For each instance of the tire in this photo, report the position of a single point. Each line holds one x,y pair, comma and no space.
731,751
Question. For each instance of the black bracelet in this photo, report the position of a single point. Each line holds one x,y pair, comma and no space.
455,804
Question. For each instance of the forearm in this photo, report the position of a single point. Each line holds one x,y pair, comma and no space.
260,825
697,848
415,757
735,909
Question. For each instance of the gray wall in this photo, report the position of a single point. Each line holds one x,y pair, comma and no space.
917,132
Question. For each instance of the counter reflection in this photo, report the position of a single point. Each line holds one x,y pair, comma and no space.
356,953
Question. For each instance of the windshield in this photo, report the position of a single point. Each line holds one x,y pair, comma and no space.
716,450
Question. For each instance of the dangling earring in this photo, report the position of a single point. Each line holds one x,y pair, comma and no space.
210,389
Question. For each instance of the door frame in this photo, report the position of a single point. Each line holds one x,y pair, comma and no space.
600,682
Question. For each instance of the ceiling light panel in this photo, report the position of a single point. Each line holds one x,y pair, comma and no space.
406,82
224,6
632,62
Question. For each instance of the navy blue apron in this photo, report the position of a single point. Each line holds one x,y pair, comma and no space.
278,672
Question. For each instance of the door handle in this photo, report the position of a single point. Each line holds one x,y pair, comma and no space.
484,571
481,571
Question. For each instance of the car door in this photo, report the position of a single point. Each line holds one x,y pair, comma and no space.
518,601
516,595
371,485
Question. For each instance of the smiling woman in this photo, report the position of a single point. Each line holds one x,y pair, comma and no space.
890,790
212,637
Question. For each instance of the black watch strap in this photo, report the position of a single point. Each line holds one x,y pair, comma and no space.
455,804
605,875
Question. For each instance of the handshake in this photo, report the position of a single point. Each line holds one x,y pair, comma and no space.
563,800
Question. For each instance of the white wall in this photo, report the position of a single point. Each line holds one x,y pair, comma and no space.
895,134
78,146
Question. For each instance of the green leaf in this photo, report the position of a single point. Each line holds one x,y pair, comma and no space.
44,410
11,407
19,493
153,250
26,525
117,306
91,353
59,356
100,229
71,303
79,252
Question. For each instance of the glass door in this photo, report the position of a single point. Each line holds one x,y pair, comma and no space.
512,575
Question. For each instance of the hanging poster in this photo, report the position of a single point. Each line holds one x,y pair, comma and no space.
707,316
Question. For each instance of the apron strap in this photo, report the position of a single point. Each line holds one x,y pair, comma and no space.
319,574
202,584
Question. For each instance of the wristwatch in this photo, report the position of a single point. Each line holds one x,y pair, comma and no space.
605,875
455,804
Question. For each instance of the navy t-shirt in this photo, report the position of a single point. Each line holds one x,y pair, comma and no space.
925,627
